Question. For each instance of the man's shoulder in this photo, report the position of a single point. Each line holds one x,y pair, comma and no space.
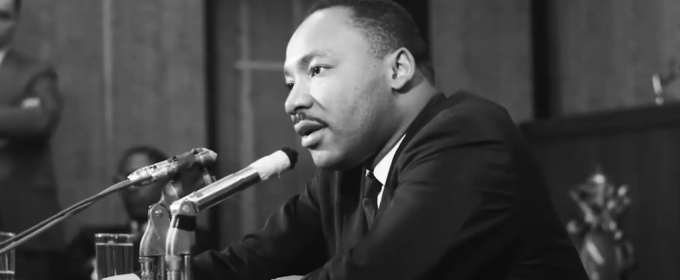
464,104
459,120
466,114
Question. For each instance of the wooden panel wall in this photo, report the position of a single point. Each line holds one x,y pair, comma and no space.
605,52
131,72
484,46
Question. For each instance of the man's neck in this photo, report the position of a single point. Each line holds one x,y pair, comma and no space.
411,106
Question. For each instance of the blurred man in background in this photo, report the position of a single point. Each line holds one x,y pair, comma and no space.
137,202
30,108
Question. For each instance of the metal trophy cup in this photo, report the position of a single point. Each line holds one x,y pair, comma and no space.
661,81
604,251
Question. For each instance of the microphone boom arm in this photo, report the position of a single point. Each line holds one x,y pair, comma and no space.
181,234
152,245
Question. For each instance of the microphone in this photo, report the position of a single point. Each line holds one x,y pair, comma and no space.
168,168
260,170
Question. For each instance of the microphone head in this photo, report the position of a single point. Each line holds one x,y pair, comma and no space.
276,163
170,167
292,156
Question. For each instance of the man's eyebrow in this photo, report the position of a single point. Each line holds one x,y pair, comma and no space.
304,61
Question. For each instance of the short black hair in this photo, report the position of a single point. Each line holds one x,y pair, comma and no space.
154,154
388,25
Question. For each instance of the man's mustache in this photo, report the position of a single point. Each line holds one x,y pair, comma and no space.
304,117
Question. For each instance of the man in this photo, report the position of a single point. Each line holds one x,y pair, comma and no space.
457,193
137,202
29,111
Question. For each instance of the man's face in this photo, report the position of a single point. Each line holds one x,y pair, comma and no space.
339,96
8,20
137,200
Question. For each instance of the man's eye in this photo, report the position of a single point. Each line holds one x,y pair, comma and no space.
289,86
316,70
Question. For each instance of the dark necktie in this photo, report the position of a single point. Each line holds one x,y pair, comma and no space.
369,201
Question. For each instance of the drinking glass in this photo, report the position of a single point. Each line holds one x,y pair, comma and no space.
7,261
115,254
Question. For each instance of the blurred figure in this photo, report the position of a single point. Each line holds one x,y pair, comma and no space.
137,202
30,108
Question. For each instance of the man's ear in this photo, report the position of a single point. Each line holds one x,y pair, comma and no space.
402,68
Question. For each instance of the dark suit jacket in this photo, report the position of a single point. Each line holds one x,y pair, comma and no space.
463,200
28,192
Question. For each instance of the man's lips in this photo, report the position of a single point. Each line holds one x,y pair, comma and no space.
306,127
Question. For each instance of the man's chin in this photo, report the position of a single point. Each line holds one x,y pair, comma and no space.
328,160
323,159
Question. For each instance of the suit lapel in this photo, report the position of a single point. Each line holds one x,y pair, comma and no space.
429,112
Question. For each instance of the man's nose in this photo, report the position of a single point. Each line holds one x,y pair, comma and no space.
298,99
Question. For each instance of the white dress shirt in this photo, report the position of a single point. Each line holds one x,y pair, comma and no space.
383,168
3,52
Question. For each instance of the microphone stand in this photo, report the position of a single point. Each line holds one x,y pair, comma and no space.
179,243
153,244
181,235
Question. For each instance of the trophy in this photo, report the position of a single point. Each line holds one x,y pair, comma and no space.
605,252
661,81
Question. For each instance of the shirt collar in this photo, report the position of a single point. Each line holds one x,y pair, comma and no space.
3,54
383,168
